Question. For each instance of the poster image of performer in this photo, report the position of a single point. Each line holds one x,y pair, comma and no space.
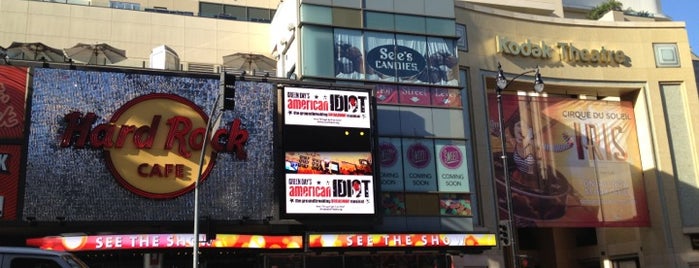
349,54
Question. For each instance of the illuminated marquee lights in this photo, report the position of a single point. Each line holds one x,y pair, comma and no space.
399,240
164,241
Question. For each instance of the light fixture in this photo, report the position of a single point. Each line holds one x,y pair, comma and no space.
538,82
502,83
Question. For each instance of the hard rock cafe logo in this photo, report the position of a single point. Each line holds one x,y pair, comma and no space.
152,144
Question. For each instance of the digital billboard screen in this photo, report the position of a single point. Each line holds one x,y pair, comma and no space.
328,157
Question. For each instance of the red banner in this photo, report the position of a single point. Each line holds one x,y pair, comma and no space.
13,89
571,162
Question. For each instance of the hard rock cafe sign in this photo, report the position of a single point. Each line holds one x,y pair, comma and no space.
152,144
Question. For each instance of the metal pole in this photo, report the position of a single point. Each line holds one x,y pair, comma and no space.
506,177
195,247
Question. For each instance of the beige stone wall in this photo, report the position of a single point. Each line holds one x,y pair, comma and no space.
639,81
195,39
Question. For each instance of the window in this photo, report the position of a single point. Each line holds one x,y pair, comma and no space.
316,14
666,55
124,5
24,262
259,14
210,10
462,42
231,12
411,24
234,12
440,26
379,21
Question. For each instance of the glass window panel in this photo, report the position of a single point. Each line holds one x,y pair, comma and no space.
420,224
452,167
345,17
317,49
446,97
391,161
414,95
379,48
462,42
421,204
437,26
210,10
259,14
388,118
410,61
386,94
416,122
455,205
235,12
393,224
413,24
443,61
410,6
448,123
393,203
457,224
349,54
316,14
379,21
419,165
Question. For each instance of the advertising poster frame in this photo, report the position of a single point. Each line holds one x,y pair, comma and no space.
572,162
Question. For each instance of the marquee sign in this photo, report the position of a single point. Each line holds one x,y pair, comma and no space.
165,241
399,240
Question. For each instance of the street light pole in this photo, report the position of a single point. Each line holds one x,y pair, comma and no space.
501,84
222,103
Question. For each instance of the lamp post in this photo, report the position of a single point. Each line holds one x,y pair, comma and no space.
501,84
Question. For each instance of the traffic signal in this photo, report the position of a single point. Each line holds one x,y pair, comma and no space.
227,92
504,233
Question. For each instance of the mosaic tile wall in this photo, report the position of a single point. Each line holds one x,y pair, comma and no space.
76,183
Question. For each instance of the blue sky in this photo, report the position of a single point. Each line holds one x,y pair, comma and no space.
685,10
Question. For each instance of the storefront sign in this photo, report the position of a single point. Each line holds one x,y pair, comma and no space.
399,240
397,61
566,52
164,241
152,143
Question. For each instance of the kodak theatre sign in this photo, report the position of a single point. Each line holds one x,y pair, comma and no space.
565,51
152,144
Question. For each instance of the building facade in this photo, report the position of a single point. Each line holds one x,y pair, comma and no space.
602,163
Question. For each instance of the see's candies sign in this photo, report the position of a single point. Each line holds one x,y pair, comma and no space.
152,144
